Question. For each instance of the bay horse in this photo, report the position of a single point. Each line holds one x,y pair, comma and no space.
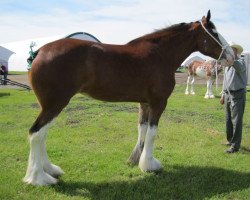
142,71
204,69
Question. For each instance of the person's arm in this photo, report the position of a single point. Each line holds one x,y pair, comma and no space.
239,65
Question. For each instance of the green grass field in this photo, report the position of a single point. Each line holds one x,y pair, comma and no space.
91,141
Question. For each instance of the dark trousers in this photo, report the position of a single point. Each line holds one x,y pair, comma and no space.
234,110
3,77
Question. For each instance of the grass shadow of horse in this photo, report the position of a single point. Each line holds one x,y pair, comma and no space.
180,183
4,94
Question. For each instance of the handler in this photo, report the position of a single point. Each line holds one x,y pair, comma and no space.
234,98
4,72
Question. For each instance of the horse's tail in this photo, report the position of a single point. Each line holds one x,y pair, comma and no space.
32,57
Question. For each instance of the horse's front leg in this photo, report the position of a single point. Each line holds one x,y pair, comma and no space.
209,93
142,130
188,83
147,162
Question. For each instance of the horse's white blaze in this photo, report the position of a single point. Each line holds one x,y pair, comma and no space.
229,51
35,173
147,161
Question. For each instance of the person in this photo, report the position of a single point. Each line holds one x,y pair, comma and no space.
4,72
234,97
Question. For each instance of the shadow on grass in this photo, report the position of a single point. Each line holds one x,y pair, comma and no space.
179,183
4,94
245,150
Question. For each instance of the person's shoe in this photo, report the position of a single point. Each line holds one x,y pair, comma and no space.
232,150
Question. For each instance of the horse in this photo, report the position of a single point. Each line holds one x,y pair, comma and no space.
204,69
142,70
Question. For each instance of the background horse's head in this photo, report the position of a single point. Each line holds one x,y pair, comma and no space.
210,42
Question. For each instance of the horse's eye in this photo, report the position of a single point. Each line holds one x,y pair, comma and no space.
216,34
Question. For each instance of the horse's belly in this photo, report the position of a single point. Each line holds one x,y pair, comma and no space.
201,72
114,95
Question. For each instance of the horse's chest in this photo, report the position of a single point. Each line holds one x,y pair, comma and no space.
201,72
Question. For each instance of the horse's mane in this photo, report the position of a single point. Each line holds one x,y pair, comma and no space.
158,34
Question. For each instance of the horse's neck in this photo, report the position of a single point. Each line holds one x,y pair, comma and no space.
180,46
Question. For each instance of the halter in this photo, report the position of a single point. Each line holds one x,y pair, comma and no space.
223,48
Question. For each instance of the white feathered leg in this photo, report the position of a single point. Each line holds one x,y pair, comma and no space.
35,174
147,161
209,93
192,86
136,153
48,167
187,88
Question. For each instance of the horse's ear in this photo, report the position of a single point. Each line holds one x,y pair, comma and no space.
204,19
208,16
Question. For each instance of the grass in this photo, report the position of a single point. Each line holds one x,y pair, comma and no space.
17,72
91,141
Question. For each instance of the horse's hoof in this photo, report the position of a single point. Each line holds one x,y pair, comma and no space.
193,93
39,178
149,165
53,170
186,93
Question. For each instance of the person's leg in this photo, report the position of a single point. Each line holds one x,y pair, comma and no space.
229,125
237,109
5,77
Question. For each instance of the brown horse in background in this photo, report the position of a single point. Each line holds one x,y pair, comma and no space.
142,70
204,69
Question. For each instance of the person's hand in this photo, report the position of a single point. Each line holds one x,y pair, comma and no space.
222,100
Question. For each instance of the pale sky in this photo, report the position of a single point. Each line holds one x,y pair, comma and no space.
118,21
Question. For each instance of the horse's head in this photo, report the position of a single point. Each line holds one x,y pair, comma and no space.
210,42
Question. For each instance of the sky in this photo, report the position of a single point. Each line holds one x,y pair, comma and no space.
118,21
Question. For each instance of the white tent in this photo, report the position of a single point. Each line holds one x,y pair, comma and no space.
191,59
18,61
5,55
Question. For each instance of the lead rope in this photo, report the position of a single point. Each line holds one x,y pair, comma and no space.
222,50
216,69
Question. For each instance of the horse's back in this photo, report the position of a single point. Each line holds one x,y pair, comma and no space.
106,72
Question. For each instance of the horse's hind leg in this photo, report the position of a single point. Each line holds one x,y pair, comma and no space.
35,173
40,171
192,86
142,129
